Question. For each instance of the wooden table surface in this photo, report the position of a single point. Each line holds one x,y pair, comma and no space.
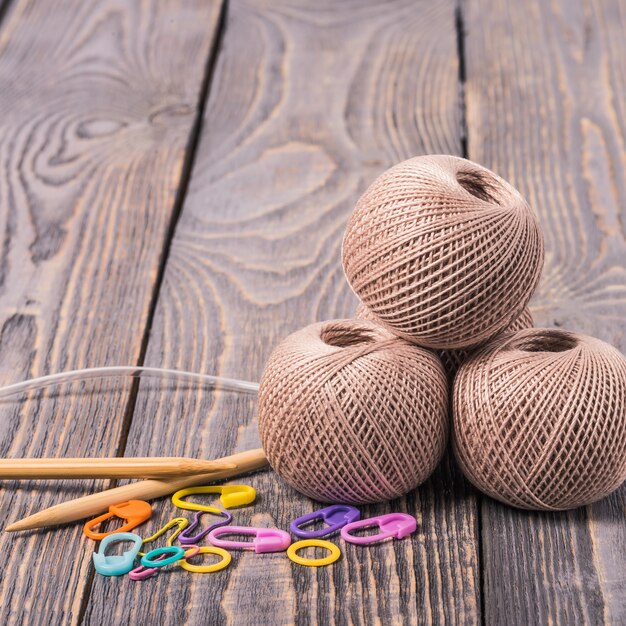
174,182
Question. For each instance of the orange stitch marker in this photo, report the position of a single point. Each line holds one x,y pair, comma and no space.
134,512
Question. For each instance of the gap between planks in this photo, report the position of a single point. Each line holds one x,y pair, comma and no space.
188,162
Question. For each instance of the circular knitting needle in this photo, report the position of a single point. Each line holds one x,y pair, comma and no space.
116,467
96,503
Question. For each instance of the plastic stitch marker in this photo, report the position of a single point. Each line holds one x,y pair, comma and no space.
185,539
116,564
207,569
190,552
334,555
154,557
230,496
265,539
396,525
134,512
141,572
180,522
336,516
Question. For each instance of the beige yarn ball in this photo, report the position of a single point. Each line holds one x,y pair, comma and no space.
350,413
540,419
443,251
453,359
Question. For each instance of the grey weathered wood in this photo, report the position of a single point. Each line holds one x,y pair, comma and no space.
545,108
309,103
97,104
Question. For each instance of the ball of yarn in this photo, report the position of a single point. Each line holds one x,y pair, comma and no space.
443,251
453,359
350,413
540,419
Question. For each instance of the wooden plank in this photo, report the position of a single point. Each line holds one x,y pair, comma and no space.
545,108
96,109
5,6
308,105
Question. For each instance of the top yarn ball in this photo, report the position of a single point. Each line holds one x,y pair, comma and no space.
443,251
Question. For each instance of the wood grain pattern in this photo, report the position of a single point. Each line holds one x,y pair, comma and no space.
308,105
545,108
96,108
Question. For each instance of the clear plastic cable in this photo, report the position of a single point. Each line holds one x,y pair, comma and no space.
219,382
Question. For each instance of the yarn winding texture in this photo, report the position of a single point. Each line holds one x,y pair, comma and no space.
443,251
539,419
453,359
350,413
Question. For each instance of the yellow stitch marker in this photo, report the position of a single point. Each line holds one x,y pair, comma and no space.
181,522
334,555
230,496
207,569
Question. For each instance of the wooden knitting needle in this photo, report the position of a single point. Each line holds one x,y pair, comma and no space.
94,504
117,467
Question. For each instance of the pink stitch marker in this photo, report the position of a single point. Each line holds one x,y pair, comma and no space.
265,539
396,525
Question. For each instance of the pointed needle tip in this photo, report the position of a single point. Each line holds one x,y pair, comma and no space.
28,523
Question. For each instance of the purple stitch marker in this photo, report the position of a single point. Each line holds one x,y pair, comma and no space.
185,539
